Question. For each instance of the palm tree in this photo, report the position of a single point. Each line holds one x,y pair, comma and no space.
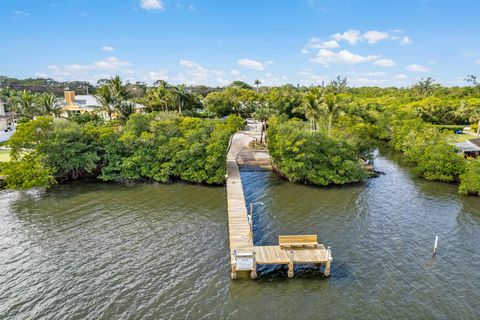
25,105
311,106
160,97
161,83
111,95
118,89
50,104
126,109
263,113
257,83
107,100
331,108
181,95
7,96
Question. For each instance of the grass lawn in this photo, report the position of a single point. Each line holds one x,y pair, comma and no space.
4,155
460,137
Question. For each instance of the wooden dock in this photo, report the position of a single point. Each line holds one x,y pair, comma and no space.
244,256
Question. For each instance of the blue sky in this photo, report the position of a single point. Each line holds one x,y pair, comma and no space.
214,42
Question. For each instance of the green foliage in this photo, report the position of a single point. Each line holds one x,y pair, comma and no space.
232,100
83,118
25,174
440,162
311,157
362,137
470,179
243,85
146,148
426,146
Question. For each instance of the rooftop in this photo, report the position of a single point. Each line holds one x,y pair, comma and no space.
468,146
90,102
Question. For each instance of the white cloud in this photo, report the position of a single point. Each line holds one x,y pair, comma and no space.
317,43
305,51
375,36
417,68
252,64
384,63
351,36
158,75
21,13
406,40
273,79
195,74
326,57
90,72
366,74
108,49
331,44
477,61
152,5
370,36
189,63
234,72
309,77
400,77
112,63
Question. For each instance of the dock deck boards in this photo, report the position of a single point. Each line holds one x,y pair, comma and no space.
240,235
277,255
239,228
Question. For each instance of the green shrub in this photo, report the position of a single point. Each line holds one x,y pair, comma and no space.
426,147
440,162
470,179
311,157
146,148
25,174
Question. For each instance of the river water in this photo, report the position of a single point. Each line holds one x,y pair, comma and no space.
102,251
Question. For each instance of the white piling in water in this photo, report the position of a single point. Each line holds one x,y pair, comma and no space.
435,246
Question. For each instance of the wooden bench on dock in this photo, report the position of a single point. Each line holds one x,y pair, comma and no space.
298,241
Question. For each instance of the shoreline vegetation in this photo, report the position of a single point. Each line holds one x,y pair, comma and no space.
320,135
146,148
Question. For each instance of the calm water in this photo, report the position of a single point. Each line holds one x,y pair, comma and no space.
102,251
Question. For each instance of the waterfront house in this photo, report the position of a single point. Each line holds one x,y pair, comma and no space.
81,104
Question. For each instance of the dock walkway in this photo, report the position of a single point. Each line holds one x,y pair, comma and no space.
244,256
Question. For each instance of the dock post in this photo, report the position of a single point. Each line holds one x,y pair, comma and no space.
290,265
233,273
327,264
253,274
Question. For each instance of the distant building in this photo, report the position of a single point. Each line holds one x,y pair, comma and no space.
8,120
87,103
469,148
3,118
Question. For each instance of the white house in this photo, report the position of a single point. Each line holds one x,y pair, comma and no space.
87,103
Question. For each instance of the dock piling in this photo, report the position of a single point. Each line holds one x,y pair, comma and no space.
253,273
290,265
328,263
435,246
